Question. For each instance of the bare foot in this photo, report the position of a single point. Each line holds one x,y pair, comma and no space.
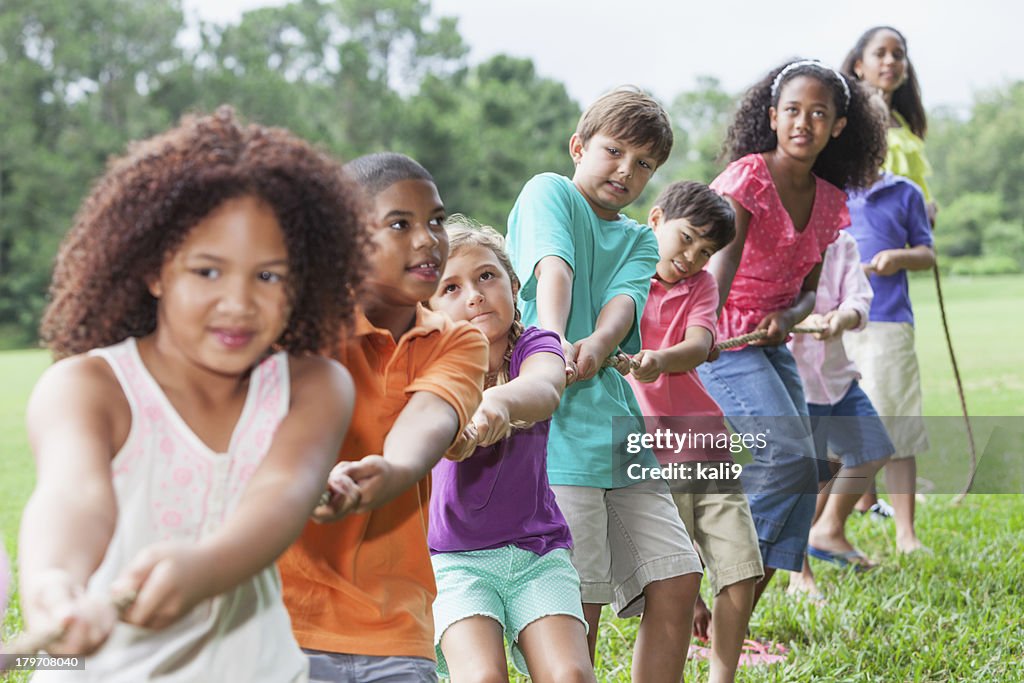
912,545
803,586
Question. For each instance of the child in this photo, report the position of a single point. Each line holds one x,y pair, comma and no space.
890,224
185,434
880,59
842,417
359,590
799,135
586,270
691,223
500,544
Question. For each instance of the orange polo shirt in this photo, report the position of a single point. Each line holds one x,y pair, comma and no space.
364,584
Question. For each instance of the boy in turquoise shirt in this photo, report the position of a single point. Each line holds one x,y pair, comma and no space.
586,272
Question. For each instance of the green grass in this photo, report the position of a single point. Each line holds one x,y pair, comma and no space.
951,616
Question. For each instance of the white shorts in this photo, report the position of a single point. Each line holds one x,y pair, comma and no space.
884,354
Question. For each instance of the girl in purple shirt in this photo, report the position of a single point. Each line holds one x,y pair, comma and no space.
499,542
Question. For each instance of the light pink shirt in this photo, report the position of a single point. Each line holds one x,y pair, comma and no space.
776,257
678,401
824,367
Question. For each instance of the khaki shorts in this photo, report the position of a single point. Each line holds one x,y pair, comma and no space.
624,539
721,526
884,354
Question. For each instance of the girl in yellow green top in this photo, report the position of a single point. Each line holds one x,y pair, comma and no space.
879,59
884,351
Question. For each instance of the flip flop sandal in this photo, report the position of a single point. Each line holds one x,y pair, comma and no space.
844,559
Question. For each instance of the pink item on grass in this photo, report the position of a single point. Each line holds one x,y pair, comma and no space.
753,653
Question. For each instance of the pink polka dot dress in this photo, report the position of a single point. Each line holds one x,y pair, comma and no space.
776,257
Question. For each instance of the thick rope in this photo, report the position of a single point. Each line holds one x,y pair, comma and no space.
959,498
760,334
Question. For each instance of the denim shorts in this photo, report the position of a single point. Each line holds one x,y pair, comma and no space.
851,429
515,587
759,390
335,667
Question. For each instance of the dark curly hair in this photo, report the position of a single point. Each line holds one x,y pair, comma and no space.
906,99
141,209
849,161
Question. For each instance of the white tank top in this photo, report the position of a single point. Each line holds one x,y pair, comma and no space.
171,486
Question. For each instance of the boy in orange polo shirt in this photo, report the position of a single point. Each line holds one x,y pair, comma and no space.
359,589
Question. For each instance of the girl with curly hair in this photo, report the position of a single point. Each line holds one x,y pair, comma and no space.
185,433
801,136
491,507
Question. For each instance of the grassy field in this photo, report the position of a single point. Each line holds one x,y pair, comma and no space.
951,616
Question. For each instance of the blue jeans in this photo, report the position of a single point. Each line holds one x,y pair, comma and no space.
759,390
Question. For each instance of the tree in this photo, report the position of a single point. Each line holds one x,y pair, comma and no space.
75,78
485,131
700,118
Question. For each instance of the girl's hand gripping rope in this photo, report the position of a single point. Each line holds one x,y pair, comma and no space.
168,579
63,619
464,445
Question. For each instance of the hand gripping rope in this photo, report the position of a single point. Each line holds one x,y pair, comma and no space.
31,642
625,363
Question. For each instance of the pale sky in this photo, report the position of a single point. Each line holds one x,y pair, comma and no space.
664,45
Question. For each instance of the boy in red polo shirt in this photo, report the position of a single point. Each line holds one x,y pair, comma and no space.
692,222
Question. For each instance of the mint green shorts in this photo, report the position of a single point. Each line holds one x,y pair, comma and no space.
515,587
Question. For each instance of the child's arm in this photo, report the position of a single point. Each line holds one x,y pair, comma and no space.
779,323
725,262
424,430
554,299
891,261
855,295
75,415
441,402
531,397
683,357
172,577
614,322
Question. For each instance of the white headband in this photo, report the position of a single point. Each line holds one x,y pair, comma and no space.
810,62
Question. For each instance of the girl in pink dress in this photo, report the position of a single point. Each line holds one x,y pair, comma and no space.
800,134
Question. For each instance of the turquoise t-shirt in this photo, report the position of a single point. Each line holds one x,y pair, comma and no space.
552,218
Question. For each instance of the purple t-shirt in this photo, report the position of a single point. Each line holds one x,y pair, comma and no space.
500,495
890,214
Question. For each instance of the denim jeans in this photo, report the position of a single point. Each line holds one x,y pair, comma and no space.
333,667
759,390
